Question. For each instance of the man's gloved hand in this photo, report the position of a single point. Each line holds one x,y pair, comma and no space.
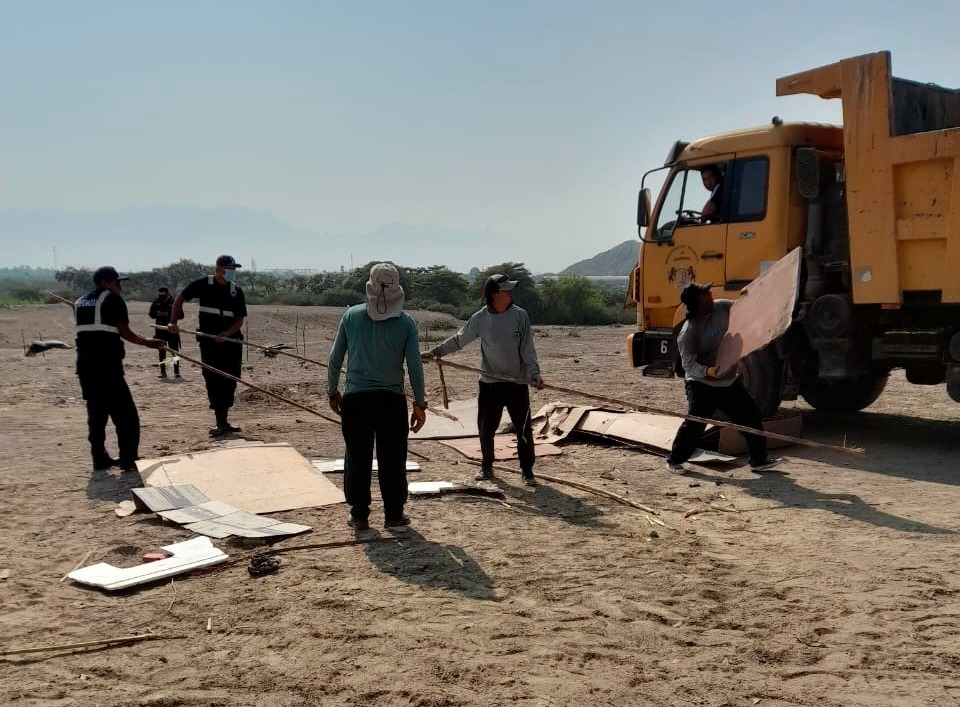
418,417
537,382
336,400
427,356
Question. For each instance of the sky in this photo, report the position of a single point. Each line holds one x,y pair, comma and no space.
321,135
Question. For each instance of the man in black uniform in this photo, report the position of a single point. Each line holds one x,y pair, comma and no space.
102,324
160,311
222,310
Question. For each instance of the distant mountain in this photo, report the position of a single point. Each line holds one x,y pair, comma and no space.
619,260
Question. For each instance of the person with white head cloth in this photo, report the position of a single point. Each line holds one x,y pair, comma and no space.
377,338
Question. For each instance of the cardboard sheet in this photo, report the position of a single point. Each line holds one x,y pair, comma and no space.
255,477
763,313
556,421
465,411
192,509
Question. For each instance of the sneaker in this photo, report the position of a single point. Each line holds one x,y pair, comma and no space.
678,469
218,431
229,429
358,524
528,480
397,525
769,464
484,474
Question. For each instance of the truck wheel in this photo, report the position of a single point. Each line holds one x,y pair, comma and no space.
845,395
760,373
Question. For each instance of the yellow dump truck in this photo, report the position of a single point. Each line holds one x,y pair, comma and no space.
875,205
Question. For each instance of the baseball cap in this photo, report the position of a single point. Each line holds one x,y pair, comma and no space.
498,282
108,273
690,295
227,261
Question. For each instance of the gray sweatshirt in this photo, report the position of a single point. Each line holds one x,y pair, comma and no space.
506,344
698,342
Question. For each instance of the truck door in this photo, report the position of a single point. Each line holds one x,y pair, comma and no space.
688,246
756,233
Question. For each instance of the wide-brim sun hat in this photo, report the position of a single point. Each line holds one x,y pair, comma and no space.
384,295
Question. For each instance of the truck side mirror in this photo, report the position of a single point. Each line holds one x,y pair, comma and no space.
643,210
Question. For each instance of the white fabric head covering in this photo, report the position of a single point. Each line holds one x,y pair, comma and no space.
384,294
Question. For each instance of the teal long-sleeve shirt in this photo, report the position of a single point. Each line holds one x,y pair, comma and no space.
375,353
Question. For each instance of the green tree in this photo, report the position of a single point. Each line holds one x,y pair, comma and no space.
437,283
573,300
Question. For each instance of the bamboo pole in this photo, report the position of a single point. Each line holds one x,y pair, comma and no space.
88,644
853,451
443,384
285,353
295,404
577,485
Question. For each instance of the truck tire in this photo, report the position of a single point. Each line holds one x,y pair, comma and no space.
845,395
761,374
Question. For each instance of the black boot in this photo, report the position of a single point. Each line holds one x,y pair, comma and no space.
221,428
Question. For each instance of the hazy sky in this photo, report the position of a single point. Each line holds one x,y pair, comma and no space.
528,123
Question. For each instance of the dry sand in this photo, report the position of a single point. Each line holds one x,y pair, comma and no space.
837,583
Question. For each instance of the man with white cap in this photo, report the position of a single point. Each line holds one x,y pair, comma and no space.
223,308
377,338
507,351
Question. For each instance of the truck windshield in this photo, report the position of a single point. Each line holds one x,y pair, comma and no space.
684,201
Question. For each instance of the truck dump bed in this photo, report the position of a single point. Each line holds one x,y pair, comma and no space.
902,158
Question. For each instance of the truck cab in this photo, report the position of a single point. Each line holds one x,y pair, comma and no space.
875,206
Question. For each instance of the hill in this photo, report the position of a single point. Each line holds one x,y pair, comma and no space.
619,260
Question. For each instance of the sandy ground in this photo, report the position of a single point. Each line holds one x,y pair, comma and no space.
837,583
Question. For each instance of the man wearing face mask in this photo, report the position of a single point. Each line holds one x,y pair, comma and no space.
102,325
222,311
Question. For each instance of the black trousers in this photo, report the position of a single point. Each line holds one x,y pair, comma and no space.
108,396
171,340
375,417
735,402
225,356
491,401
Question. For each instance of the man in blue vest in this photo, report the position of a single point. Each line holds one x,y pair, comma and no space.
102,324
222,311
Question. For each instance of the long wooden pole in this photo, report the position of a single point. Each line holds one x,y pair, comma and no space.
285,353
87,644
577,485
295,404
853,451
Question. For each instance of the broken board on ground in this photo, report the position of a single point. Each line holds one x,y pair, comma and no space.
184,556
556,421
253,476
187,506
433,488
